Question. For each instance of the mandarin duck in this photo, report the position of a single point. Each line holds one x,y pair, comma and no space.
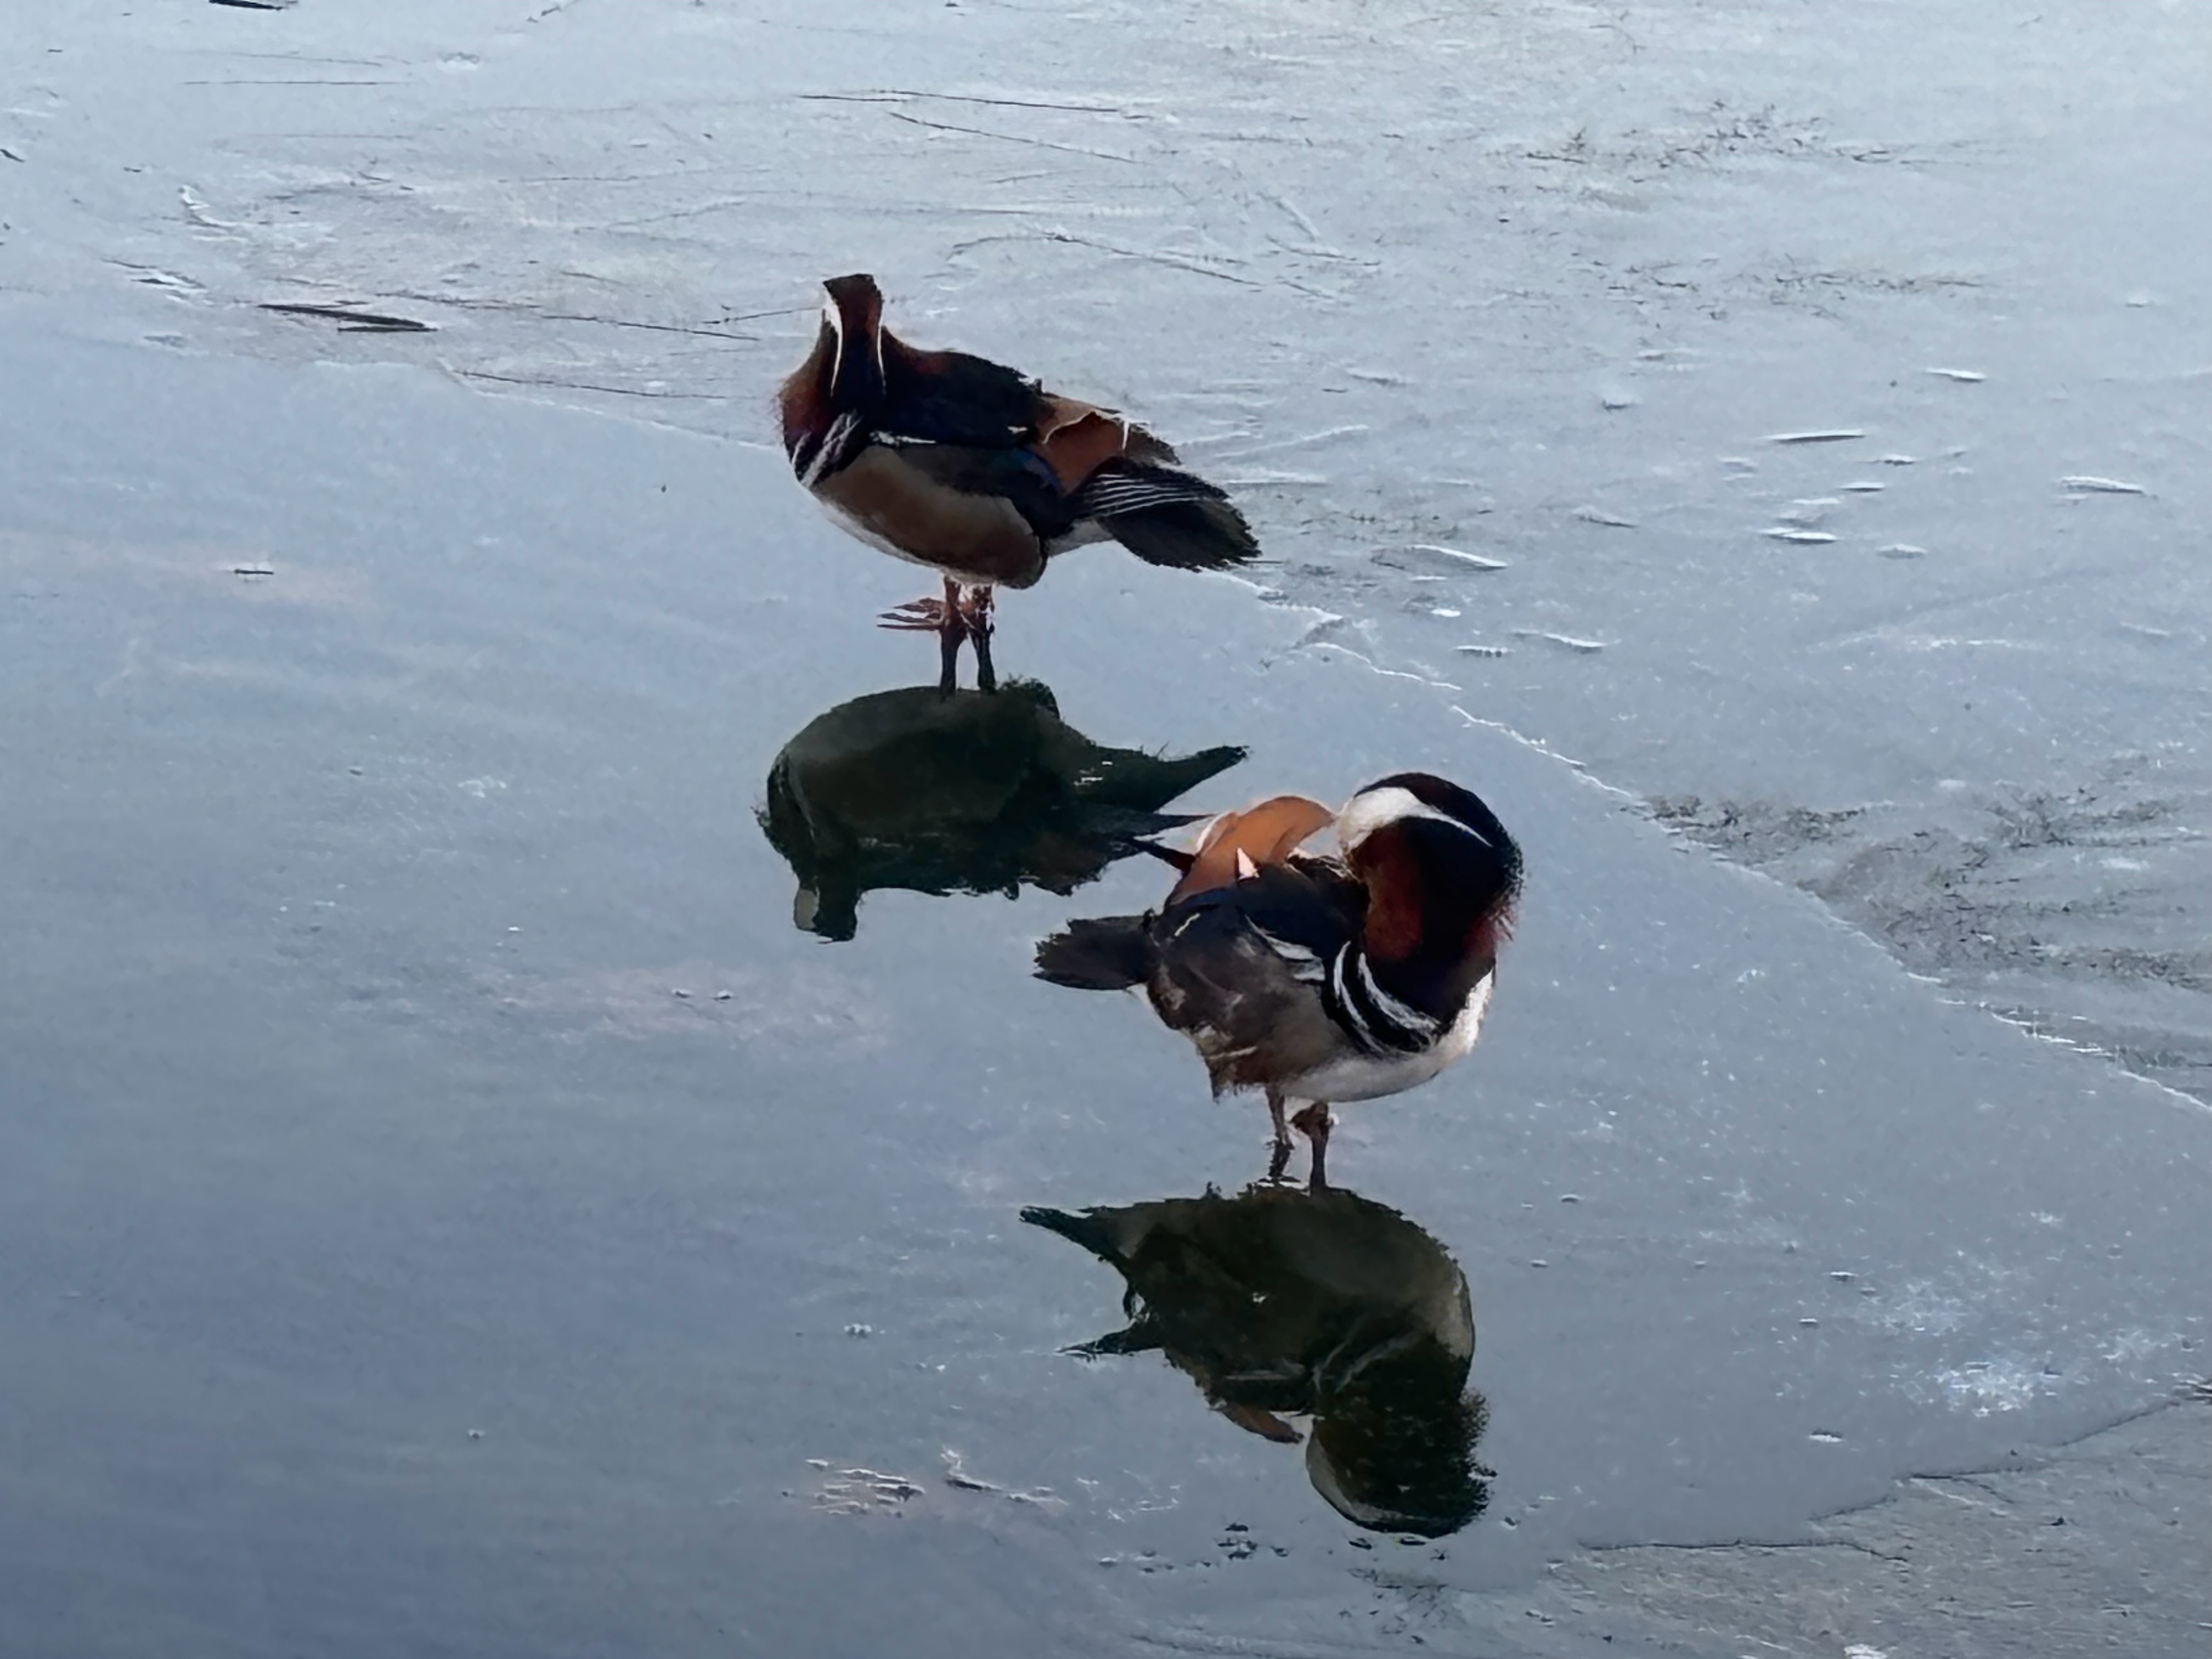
1319,978
963,464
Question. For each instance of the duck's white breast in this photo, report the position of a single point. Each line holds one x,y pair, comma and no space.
1354,1076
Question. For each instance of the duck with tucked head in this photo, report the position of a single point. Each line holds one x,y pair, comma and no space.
962,792
1320,979
960,464
1326,1305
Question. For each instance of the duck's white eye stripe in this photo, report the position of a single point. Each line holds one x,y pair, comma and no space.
832,316
1372,809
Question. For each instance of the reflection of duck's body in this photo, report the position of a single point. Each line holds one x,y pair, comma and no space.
969,467
1327,1304
964,793
1320,979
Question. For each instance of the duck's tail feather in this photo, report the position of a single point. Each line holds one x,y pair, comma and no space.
1167,517
1169,856
1129,777
1098,953
1085,1227
1139,1338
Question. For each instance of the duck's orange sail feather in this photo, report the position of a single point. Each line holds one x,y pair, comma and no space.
1236,843
1076,439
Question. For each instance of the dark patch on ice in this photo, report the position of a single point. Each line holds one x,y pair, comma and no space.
1985,893
1431,559
353,318
1754,832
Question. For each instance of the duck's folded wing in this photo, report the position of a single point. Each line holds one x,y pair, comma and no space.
1013,476
1166,517
1281,913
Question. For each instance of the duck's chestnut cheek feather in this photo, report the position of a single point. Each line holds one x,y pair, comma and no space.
1395,896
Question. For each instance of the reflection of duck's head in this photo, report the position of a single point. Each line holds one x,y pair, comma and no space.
1397,1454
959,792
1327,1304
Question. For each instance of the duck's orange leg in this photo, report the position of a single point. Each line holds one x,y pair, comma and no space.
946,615
962,614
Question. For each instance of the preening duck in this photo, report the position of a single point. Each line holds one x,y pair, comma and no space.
958,792
970,467
1320,978
1323,1304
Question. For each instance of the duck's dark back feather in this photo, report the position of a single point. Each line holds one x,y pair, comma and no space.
953,397
1308,903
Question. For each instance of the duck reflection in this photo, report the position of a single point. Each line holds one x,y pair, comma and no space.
1324,1303
960,792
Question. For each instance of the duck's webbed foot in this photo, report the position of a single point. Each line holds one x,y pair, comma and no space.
947,616
964,614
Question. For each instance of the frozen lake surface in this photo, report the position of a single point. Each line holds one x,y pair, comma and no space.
1778,431
1551,284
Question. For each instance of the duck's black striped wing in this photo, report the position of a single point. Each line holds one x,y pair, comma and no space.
1301,912
1120,487
1297,915
1242,969
1166,516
